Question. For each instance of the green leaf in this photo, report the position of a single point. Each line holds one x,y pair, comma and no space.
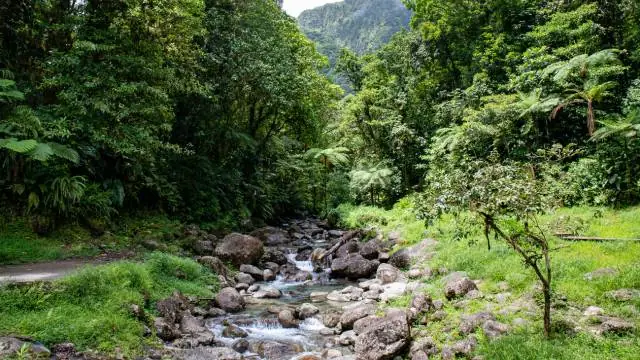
20,146
42,152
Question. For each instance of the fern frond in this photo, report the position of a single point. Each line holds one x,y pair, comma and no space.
20,146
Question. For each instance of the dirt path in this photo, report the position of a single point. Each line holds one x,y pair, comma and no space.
40,272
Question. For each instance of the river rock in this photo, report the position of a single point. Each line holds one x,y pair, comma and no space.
384,338
267,292
273,350
350,293
230,300
387,273
370,250
234,331
272,236
355,312
192,325
254,271
457,287
306,311
287,320
350,247
393,291
165,330
244,278
275,256
623,295
318,296
347,338
335,233
593,311
268,275
240,249
206,352
353,266
203,247
10,346
331,319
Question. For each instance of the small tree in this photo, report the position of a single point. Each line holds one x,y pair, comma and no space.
371,181
507,198
329,158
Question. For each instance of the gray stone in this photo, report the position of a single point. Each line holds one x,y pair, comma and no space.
616,326
165,330
465,347
600,273
318,296
234,331
306,311
347,338
350,293
387,273
287,320
268,275
470,323
623,295
401,259
353,266
244,278
355,312
241,345
458,287
192,325
272,236
383,338
240,249
202,353
10,346
254,271
228,299
593,311
331,319
267,292
493,329
203,247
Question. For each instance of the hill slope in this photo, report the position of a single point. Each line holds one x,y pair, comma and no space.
360,25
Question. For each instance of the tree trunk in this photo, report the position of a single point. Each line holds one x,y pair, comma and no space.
591,118
547,310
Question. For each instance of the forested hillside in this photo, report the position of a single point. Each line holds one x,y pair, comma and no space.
189,107
362,26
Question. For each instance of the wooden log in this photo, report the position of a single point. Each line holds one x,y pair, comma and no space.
591,238
346,237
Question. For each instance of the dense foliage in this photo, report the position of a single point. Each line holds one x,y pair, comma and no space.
542,94
194,107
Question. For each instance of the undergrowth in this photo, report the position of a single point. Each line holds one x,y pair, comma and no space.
91,308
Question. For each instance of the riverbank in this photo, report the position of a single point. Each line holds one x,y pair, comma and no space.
594,282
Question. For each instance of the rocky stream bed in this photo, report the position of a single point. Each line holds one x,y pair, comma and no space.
305,291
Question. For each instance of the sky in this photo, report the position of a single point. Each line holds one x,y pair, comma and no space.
295,7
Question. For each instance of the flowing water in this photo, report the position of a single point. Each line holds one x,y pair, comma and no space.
262,326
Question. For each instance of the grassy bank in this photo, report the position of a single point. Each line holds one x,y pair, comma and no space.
462,247
19,244
92,307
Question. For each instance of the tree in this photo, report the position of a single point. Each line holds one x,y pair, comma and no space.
582,77
329,158
371,180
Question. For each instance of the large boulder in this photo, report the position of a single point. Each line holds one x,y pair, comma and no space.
350,293
274,255
165,330
192,325
384,338
244,278
272,236
350,247
306,311
230,300
267,292
240,249
353,266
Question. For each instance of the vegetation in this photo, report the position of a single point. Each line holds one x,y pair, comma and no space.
461,247
92,307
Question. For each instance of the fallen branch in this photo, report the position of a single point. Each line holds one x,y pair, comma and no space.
346,237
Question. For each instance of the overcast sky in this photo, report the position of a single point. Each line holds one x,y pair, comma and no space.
295,7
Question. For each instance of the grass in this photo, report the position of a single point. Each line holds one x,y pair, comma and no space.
18,244
91,307
462,247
